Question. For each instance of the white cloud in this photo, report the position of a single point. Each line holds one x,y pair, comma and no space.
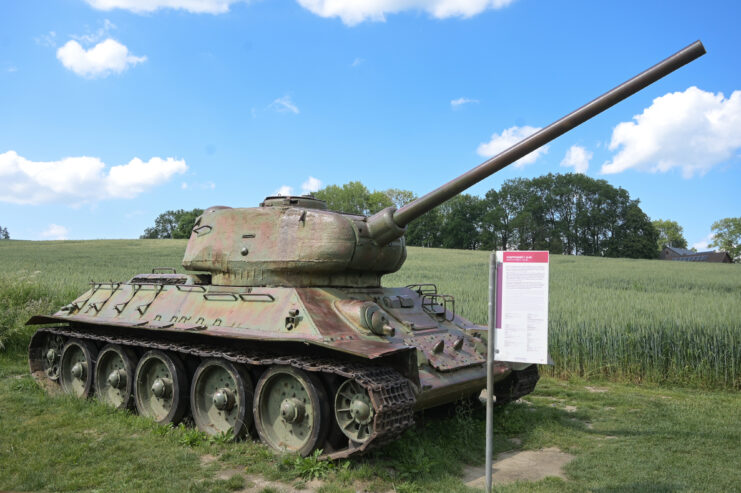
284,105
577,157
143,6
55,232
508,138
356,11
357,62
78,180
92,38
457,103
49,40
692,131
311,185
704,244
285,191
350,11
12,69
99,61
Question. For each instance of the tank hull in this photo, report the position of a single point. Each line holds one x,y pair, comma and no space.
429,355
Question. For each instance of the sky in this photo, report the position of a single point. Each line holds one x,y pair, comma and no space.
114,111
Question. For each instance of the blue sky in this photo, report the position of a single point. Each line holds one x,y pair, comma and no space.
114,111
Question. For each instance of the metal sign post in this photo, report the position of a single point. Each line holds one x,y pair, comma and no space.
490,366
518,322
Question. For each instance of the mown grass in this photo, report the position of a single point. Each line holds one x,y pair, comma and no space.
625,439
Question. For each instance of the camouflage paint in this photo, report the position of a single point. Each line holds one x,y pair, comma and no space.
449,350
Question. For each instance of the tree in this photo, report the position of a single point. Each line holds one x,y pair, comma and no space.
635,237
670,233
355,198
494,227
377,201
727,236
173,224
350,198
461,220
4,235
399,197
569,213
425,230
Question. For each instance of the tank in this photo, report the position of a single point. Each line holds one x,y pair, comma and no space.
282,328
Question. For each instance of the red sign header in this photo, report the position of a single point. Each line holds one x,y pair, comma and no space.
533,257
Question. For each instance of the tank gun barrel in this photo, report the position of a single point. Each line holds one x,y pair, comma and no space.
387,225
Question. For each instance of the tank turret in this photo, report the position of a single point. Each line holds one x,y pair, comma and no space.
289,241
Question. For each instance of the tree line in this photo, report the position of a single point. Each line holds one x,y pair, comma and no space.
571,213
562,213
173,224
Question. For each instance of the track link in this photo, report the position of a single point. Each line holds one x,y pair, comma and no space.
391,394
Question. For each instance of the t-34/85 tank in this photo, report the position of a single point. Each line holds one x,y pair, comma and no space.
284,323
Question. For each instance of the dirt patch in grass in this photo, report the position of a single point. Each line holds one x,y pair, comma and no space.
207,459
523,465
50,387
228,473
596,390
257,484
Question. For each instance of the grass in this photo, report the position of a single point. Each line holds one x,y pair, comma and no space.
653,322
627,438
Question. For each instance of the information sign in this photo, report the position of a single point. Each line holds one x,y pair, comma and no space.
521,323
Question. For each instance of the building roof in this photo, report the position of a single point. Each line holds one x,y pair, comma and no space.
682,251
704,257
684,255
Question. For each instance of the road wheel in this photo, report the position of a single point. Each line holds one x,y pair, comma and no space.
161,387
221,398
51,353
76,367
291,410
353,411
114,376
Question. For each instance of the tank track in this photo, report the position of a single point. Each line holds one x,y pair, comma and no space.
391,394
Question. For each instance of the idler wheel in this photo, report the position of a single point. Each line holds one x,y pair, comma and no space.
114,376
354,411
291,410
51,353
76,367
161,387
221,398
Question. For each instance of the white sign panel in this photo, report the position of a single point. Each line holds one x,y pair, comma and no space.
522,307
